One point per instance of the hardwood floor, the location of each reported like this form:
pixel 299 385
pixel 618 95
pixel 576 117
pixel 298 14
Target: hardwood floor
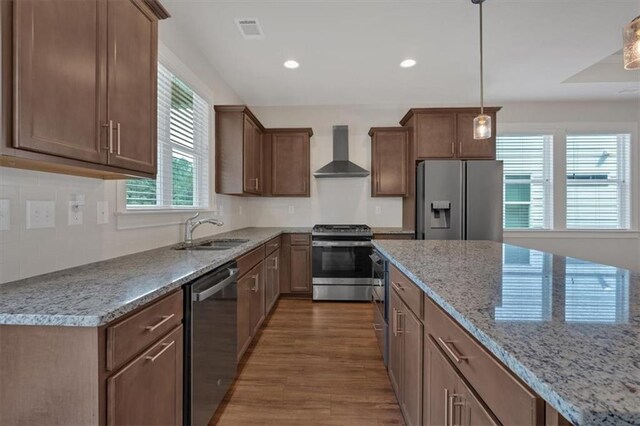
pixel 313 364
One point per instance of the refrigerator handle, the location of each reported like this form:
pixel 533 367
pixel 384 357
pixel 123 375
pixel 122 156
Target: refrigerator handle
pixel 463 202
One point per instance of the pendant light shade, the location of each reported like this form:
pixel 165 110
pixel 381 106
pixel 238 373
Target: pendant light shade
pixel 631 49
pixel 482 123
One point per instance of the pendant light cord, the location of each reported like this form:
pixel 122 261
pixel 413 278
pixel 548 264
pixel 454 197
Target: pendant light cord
pixel 481 65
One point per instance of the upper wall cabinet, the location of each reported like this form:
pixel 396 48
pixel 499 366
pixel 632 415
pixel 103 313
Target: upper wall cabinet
pixel 254 161
pixel 448 133
pixel 389 161
pixel 81 92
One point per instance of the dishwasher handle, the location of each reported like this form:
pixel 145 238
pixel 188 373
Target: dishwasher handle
pixel 205 294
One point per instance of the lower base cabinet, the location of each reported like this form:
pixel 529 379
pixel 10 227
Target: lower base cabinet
pixel 250 306
pixel 272 280
pixel 148 390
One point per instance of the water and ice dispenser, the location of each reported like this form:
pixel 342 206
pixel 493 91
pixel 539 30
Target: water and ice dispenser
pixel 440 214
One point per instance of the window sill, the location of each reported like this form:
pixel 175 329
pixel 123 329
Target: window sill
pixel 150 218
pixel 571 233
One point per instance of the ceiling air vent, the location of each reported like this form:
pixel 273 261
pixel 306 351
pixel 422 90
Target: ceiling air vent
pixel 250 29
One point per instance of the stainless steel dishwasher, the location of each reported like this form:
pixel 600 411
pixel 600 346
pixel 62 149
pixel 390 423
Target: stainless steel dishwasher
pixel 210 342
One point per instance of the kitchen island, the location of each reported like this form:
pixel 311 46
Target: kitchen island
pixel 566 328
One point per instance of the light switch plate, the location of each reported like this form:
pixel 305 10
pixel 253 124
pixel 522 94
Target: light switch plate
pixel 378 210
pixel 75 214
pixel 41 214
pixel 292 209
pixel 103 212
pixel 5 215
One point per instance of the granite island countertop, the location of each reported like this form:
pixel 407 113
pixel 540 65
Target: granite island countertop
pixel 570 329
pixel 97 293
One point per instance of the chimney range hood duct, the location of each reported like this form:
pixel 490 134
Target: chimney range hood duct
pixel 341 167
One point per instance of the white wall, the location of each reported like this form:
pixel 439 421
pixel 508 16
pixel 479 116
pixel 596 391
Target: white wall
pixel 348 200
pixel 28 252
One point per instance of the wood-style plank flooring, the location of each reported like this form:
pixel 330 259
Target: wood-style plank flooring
pixel 313 364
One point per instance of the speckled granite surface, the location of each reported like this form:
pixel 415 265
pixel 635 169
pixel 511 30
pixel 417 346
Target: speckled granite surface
pixel 570 329
pixel 97 293
pixel 393 230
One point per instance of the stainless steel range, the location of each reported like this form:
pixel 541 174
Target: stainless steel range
pixel 341 262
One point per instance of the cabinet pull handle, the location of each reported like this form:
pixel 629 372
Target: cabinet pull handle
pixel 164 319
pixel 453 147
pixel 397 286
pixel 257 184
pixel 376 327
pixel 109 146
pixel 275 263
pixel 118 132
pixel 254 288
pixel 164 349
pixel 456 357
pixel 399 316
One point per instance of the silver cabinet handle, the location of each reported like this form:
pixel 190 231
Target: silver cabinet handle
pixel 275 263
pixel 109 146
pixel 453 147
pixel 164 319
pixel 399 316
pixel 255 281
pixel 457 358
pixel 118 132
pixel 397 286
pixel 164 349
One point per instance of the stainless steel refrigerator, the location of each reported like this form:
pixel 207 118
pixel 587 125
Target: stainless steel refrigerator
pixel 459 200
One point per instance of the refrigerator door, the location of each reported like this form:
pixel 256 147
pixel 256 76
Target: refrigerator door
pixel 483 218
pixel 439 200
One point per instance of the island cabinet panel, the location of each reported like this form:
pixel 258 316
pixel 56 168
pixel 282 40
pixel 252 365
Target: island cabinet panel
pixel 287 165
pixel 272 277
pixel 405 358
pixel 148 390
pixel 389 161
pixel 508 399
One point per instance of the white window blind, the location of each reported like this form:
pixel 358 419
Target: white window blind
pixel 598 175
pixel 183 151
pixel 528 180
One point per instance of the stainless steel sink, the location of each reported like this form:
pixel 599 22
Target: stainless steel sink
pixel 213 245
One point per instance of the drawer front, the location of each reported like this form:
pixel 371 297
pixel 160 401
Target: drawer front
pixel 130 336
pixel 273 245
pixel 510 401
pixel 411 294
pixel 248 261
pixel 300 239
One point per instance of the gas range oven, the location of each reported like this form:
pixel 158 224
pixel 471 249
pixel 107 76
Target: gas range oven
pixel 341 268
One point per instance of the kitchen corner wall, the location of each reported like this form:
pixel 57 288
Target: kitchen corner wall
pixel 28 252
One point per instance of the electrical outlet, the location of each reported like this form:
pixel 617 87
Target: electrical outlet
pixel 41 214
pixel 103 212
pixel 240 210
pixel 75 214
pixel 378 210
pixel 292 210
pixel 5 215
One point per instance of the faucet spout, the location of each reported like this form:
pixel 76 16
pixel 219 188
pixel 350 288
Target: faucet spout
pixel 190 226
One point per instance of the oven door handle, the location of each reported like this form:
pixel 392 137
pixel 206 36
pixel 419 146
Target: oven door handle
pixel 342 244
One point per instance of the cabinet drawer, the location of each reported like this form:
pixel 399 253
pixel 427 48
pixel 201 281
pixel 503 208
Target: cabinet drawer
pixel 411 294
pixel 510 401
pixel 248 261
pixel 130 336
pixel 300 239
pixel 272 245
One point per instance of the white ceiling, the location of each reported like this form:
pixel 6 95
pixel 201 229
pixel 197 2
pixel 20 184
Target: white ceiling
pixel 349 51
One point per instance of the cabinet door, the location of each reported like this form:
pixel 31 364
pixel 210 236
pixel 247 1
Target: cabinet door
pixel 290 167
pixel 132 64
pixel 440 382
pixel 412 336
pixel 389 161
pixel 251 146
pixel 258 154
pixel 471 409
pixel 148 390
pixel 300 261
pixel 435 135
pixel 469 147
pixel 257 297
pixel 60 65
pixel 272 287
pixel 395 344
pixel 244 313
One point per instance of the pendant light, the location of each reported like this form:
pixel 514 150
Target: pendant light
pixel 482 123
pixel 631 47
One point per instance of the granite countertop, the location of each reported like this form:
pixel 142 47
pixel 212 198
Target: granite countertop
pixel 568 328
pixel 392 230
pixel 97 293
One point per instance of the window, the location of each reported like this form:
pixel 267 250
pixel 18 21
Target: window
pixel 528 171
pixel 598 195
pixel 183 151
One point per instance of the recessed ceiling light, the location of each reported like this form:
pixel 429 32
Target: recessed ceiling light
pixel 291 64
pixel 408 63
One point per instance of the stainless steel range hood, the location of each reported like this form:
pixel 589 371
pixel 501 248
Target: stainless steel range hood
pixel 340 167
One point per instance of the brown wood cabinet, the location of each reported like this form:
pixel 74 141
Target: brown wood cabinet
pixel 287 164
pixel 148 390
pixel 244 313
pixel 389 161
pixel 79 86
pixel 435 135
pixel 272 278
pixel 405 358
pixel 300 264
pixel 257 298
pixel 252 160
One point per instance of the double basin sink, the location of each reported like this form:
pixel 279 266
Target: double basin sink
pixel 212 245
